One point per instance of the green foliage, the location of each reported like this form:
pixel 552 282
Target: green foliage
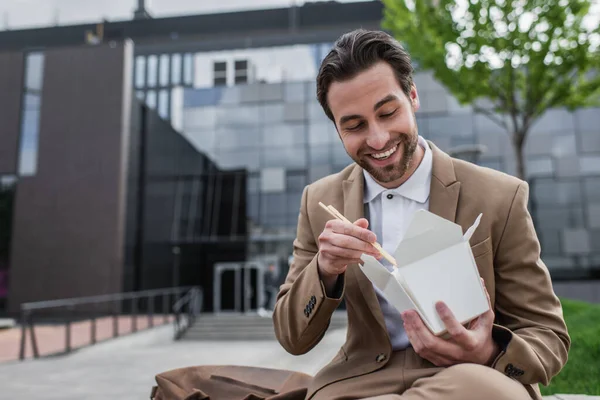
pixel 524 56
pixel 581 375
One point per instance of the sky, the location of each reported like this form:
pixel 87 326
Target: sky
pixel 31 13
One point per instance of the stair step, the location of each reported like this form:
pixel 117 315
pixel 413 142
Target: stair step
pixel 220 336
pixel 230 327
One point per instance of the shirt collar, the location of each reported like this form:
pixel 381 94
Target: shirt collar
pixel 415 188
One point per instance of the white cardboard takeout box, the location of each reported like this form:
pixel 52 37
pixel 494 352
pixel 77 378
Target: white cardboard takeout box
pixel 435 263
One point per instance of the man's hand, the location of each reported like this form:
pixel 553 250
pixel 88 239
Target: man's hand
pixel 472 345
pixel 341 244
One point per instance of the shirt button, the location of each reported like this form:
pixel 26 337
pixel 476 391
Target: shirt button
pixel 380 357
pixel 390 196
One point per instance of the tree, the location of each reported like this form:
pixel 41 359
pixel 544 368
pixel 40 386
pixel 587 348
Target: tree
pixel 511 60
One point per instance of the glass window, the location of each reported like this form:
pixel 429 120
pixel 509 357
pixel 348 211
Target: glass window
pixel 164 70
pixel 152 71
pixel 151 99
pixel 553 120
pixel 238 138
pixel 548 191
pixel 322 133
pixel 340 157
pixel 283 135
pixel 273 204
pixel 204 140
pixel 320 155
pixel 230 95
pixel 163 104
pixel 238 116
pixel 176 69
pixel 199 117
pixel 316 113
pixel 272 180
pixel 33 101
pixel 290 157
pixel 317 172
pixel 252 206
pixel 590 165
pixel 188 69
pixel 455 125
pixel 592 189
pixel 247 158
pixel 30 127
pixel 253 184
pixel 140 71
pixel 294 112
pixel 140 95
pixel 293 203
pixel 272 113
pixel 588 119
pixel 202 97
pixel 295 181
pixel 294 91
pixel 34 73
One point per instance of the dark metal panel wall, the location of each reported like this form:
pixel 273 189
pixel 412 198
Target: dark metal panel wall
pixel 69 218
pixel 11 82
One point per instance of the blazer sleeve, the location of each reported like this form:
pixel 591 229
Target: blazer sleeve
pixel 530 324
pixel 303 310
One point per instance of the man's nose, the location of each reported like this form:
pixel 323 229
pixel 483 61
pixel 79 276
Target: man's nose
pixel 378 138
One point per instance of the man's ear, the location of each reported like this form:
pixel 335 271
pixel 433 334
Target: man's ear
pixel 414 97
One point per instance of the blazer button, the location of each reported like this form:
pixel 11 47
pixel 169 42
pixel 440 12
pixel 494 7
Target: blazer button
pixel 380 357
pixel 313 299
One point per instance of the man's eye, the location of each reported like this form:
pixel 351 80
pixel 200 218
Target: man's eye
pixel 389 114
pixel 355 127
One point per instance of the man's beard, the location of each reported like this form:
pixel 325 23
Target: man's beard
pixel 407 143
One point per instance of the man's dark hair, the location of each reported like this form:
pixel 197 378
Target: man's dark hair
pixel 357 51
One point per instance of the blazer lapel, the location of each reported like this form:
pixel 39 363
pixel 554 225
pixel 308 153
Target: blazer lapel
pixel 354 209
pixel 353 194
pixel 445 189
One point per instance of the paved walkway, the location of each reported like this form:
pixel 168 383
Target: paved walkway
pixel 124 368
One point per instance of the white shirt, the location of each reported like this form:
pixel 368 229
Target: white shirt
pixel 398 205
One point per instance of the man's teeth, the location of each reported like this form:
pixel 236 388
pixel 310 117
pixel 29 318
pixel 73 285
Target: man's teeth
pixel 386 154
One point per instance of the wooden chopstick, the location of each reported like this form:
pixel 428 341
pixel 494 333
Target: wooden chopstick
pixel 336 214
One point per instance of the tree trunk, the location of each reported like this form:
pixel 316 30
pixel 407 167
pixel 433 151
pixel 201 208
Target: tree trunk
pixel 518 145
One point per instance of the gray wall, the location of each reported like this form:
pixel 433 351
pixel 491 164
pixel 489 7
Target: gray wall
pixel 70 217
pixel 11 82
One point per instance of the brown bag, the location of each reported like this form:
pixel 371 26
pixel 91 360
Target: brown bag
pixel 229 382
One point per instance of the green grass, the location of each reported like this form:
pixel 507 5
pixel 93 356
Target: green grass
pixel 581 375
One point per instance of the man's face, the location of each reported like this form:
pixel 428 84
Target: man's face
pixel 376 122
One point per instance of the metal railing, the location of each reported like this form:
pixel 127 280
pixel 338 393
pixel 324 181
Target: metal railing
pixel 65 311
pixel 186 310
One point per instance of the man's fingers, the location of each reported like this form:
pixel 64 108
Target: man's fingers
pixel 362 223
pixel 431 344
pixel 458 332
pixel 358 232
pixel 352 243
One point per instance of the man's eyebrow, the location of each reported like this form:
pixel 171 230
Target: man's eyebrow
pixel 347 118
pixel 386 99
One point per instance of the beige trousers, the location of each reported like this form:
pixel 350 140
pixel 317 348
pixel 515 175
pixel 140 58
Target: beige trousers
pixel 409 377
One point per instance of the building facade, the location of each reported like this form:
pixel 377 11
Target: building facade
pixel 99 194
pixel 280 134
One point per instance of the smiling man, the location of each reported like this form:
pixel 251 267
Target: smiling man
pixel 365 87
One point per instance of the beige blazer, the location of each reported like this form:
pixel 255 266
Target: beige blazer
pixel 506 249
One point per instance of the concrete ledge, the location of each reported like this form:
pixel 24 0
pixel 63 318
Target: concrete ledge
pixel 6 323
